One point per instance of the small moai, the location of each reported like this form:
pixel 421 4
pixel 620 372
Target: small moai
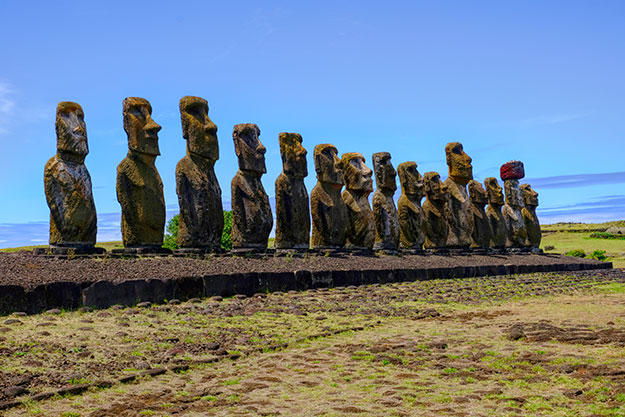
pixel 436 226
pixel 329 213
pixel 358 185
pixel 498 228
pixel 481 236
pixel 67 183
pixel 251 213
pixel 139 186
pixel 532 225
pixel 292 206
pixel 199 195
pixel 511 172
pixel 410 212
pixel 458 208
pixel 384 210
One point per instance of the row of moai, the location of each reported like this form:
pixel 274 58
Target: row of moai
pixel 450 218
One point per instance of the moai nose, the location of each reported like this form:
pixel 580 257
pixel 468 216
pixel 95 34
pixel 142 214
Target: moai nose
pixel 152 126
pixel 261 148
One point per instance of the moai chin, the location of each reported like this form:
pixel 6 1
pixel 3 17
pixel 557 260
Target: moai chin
pixel 436 226
pixel 511 173
pixel 292 206
pixel 481 236
pixel 329 213
pixel 532 225
pixel 67 183
pixel 251 213
pixel 458 206
pixel 411 216
pixel 199 194
pixel 358 185
pixel 384 210
pixel 498 228
pixel 139 186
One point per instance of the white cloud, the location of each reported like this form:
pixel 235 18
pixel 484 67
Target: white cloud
pixel 556 118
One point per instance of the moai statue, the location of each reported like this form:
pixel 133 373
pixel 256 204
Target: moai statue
pixel 73 221
pixel 498 228
pixel 329 214
pixel 532 225
pixel 384 210
pixel 511 172
pixel 358 186
pixel 411 216
pixel 481 236
pixel 199 194
pixel 139 186
pixel 292 206
pixel 251 213
pixel 436 226
pixel 458 207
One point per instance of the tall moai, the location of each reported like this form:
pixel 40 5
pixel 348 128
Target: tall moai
pixel 511 172
pixel 199 195
pixel 384 210
pixel 532 225
pixel 358 185
pixel 458 206
pixel 436 226
pixel 410 212
pixel 67 183
pixel 329 213
pixel 251 213
pixel 498 228
pixel 139 186
pixel 481 236
pixel 292 205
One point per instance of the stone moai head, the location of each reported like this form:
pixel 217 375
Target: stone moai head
pixel 249 150
pixel 411 180
pixel 513 193
pixel 198 129
pixel 356 175
pixel 530 197
pixel 384 172
pixel 328 166
pixel 477 193
pixel 434 188
pixel 459 163
pixel 142 131
pixel 293 155
pixel 71 131
pixel 493 191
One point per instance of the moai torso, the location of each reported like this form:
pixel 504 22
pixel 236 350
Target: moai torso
pixel 199 194
pixel 329 213
pixel 458 210
pixel 358 186
pixel 532 225
pixel 410 212
pixel 436 227
pixel 481 236
pixel 384 210
pixel 292 205
pixel 498 229
pixel 139 186
pixel 251 213
pixel 73 219
pixel 517 233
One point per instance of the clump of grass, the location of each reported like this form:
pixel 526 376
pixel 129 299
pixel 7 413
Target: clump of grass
pixel 578 253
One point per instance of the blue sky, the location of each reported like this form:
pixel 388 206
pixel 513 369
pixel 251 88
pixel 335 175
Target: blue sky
pixel 543 82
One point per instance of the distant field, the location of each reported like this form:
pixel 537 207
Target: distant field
pixel 581 227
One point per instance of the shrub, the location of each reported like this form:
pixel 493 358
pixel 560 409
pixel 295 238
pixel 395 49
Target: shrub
pixel 598 255
pixel 226 243
pixel 171 232
pixel 578 253
pixel 606 235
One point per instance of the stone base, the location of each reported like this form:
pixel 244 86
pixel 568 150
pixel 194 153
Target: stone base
pixel 437 251
pixel 197 251
pixel 480 251
pixel 412 251
pixel 519 251
pixel 69 251
pixel 142 251
pixel 251 251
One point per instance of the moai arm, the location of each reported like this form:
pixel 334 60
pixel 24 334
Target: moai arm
pixel 53 197
pixel 186 197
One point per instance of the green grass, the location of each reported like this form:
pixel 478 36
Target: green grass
pixel 565 241
pixel 106 245
pixel 570 227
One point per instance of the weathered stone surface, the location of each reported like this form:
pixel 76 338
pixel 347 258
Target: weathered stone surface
pixel 199 194
pixel 481 236
pixel 292 206
pixel 73 220
pixel 517 233
pixel 139 186
pixel 532 225
pixel 458 209
pixel 436 227
pixel 329 213
pixel 512 170
pixel 251 213
pixel 384 210
pixel 358 186
pixel 498 228
pixel 410 212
